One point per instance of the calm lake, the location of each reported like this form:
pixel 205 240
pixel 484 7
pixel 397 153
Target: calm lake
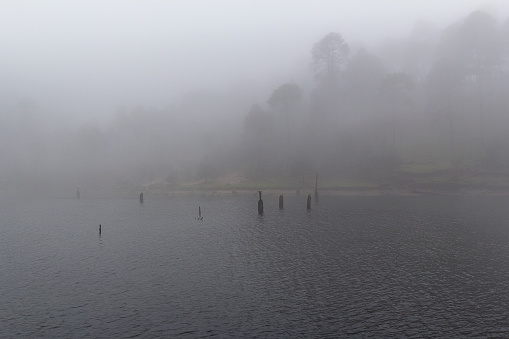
pixel 351 266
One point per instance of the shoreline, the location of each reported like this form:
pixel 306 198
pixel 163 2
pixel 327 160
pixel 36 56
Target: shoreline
pixel 347 192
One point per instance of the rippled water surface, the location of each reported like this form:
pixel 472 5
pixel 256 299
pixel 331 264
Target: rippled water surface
pixel 423 266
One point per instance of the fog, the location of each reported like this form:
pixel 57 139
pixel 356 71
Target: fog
pixel 132 95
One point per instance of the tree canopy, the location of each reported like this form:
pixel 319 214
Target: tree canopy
pixel 329 54
pixel 285 95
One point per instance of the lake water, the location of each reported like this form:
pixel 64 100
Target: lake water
pixel 352 266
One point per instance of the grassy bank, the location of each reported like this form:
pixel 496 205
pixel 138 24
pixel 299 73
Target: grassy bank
pixel 412 179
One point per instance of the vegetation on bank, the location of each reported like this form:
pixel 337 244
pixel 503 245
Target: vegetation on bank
pixel 408 179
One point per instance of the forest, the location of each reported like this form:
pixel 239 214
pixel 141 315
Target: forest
pixel 426 113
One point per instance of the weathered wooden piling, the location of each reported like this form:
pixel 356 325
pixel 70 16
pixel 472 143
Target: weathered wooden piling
pixel 77 193
pixel 260 203
pixel 281 202
pixel 309 202
pixel 199 213
pixel 141 198
pixel 317 198
pixel 99 229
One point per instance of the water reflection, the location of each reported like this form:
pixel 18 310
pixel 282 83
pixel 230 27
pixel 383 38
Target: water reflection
pixel 349 267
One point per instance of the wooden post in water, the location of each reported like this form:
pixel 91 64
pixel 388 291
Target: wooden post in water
pixel 317 198
pixel 281 202
pixel 260 203
pixel 99 229
pixel 141 198
pixel 77 193
pixel 309 202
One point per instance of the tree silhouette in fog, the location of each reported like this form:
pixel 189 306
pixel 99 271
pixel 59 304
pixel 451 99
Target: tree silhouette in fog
pixel 362 76
pixel 258 139
pixel 329 54
pixel 444 87
pixel 395 89
pixel 284 100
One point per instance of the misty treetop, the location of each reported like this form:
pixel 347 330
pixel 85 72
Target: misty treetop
pixel 285 96
pixel 329 54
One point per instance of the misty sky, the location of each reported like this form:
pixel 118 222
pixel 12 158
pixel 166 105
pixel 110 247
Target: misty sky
pixel 85 58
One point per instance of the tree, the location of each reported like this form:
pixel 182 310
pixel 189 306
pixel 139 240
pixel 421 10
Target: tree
pixel 419 52
pixel 258 135
pixel 479 43
pixel 328 55
pixel 505 38
pixel 443 85
pixel 395 88
pixel 257 124
pixel 285 95
pixel 504 66
pixel 362 78
pixel 480 49
pixel 284 100
pixel 364 69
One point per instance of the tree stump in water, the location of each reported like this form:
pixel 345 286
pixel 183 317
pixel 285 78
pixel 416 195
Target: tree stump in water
pixel 260 203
